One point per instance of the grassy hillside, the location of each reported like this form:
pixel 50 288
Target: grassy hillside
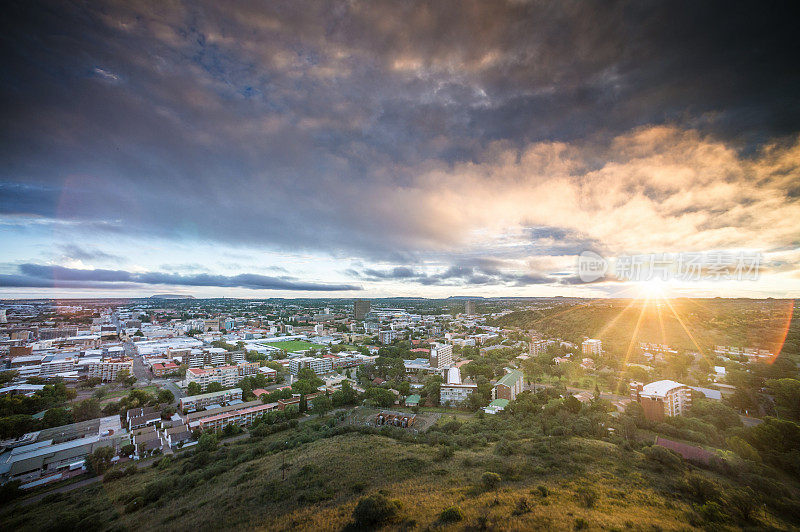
pixel 546 481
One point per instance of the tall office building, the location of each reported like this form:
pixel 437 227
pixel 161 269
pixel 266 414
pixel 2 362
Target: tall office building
pixel 469 308
pixel 360 308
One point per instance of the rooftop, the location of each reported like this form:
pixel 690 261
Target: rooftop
pixel 211 395
pixel 510 378
pixel 660 388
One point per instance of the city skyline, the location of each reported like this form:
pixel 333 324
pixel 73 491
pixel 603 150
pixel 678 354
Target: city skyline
pixel 354 150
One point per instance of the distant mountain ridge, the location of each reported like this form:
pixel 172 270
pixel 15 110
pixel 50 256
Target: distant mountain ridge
pixel 171 296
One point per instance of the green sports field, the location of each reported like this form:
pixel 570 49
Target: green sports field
pixel 294 345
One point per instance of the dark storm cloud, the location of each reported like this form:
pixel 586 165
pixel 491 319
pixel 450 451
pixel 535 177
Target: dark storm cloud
pixel 293 124
pixel 455 276
pixel 74 251
pixel 44 276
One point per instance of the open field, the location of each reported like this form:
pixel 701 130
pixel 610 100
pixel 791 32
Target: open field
pixel 294 345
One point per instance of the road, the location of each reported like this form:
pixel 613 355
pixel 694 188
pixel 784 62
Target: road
pixel 140 371
pixel 171 386
pixel 748 421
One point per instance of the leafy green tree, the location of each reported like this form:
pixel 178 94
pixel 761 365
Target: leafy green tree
pixel 16 425
pixel 346 395
pixel 321 404
pixel 127 450
pixel 165 396
pixel 307 374
pixel 380 396
pixel 430 390
pixel 100 460
pixel 743 449
pixel 194 389
pixel 125 377
pixel 214 387
pixel 404 387
pixel 56 417
pixel 786 393
pixel 10 491
pixel 86 409
pixel 718 414
pixel 303 404
pixel 8 376
pixel 571 404
pixel 207 442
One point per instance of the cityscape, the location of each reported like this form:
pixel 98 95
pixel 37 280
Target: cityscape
pixel 349 265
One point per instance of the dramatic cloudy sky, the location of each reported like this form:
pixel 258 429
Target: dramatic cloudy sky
pixel 374 148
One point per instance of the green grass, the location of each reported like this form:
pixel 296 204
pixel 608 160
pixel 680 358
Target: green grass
pixel 295 345
pixel 122 393
pixel 240 487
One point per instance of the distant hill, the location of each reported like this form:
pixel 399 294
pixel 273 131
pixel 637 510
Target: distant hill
pixel 171 296
pixel 681 323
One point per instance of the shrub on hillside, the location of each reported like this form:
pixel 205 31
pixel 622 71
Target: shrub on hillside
pixel 451 515
pixel 375 510
pixel 742 503
pixel 701 489
pixel 444 452
pixel 743 449
pixel 663 456
pixel 490 480
pixel 522 507
pixel 586 496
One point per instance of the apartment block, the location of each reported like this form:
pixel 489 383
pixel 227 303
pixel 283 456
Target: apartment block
pixel 320 366
pixel 664 398
pixel 52 367
pixel 227 376
pixel 591 347
pixel 455 394
pixel 242 414
pixel 441 356
pixel 198 402
pixel 108 370
pixel 388 336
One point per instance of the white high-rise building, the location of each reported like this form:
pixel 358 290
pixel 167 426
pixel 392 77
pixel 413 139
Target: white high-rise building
pixel 453 375
pixel 441 356
pixel 592 347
